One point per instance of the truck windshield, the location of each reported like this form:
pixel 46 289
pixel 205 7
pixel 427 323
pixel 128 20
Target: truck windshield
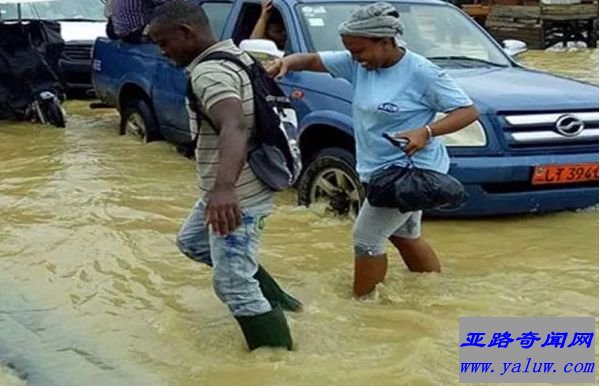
pixel 441 33
pixel 58 10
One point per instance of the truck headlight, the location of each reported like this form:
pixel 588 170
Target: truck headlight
pixel 472 135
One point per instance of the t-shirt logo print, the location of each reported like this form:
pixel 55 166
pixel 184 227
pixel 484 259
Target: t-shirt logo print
pixel 388 107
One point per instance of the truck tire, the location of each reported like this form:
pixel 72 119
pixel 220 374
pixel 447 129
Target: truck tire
pixel 331 177
pixel 137 119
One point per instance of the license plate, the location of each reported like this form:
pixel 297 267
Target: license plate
pixel 567 173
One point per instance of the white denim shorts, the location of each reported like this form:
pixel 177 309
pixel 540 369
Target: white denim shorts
pixel 374 225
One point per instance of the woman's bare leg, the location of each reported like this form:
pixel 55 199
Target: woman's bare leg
pixel 417 254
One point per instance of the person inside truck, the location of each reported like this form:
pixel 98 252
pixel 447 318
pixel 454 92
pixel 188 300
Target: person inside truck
pixel 223 229
pixel 127 19
pixel 395 92
pixel 110 28
pixel 270 25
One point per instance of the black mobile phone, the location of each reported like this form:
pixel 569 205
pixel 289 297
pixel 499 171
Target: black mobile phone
pixel 401 142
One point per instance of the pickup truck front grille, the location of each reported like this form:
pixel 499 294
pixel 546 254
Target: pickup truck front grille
pixel 551 129
pixel 78 52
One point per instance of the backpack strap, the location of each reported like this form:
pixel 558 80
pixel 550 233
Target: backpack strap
pixel 215 56
pixel 193 105
pixel 227 56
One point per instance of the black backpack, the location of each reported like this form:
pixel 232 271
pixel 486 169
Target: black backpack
pixel 273 152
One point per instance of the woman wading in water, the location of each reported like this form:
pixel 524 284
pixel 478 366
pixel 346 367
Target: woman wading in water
pixel 394 91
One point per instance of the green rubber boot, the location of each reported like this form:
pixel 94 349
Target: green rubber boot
pixel 274 293
pixel 268 329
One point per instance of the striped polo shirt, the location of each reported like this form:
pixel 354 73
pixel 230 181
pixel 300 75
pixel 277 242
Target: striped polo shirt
pixel 213 81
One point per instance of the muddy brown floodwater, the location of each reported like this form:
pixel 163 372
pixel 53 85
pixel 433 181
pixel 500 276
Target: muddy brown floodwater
pixel 94 291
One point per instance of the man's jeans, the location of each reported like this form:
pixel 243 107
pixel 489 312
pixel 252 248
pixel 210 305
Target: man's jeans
pixel 233 257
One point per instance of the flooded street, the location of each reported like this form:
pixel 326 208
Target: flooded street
pixel 94 291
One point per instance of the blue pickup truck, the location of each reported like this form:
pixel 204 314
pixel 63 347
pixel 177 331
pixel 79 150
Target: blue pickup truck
pixel 533 149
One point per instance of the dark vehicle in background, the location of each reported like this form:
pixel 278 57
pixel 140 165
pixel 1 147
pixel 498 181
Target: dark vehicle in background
pixel 81 22
pixel 31 85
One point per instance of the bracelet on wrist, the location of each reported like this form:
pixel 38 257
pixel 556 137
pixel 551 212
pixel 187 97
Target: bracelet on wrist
pixel 429 131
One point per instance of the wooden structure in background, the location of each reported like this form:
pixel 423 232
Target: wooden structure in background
pixel 543 25
pixel 478 11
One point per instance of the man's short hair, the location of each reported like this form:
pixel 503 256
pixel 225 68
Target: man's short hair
pixel 179 12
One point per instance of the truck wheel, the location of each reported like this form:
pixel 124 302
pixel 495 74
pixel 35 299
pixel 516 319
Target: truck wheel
pixel 331 177
pixel 137 119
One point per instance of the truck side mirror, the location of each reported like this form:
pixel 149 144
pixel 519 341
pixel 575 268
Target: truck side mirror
pixel 262 49
pixel 514 47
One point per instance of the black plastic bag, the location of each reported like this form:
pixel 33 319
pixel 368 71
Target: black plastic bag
pixel 411 189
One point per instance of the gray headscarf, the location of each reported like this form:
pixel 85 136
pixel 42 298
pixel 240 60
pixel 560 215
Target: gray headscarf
pixel 378 20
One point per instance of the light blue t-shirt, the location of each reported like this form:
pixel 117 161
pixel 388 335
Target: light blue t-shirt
pixel 399 98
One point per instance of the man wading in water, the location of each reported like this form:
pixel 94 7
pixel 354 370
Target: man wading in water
pixel 224 227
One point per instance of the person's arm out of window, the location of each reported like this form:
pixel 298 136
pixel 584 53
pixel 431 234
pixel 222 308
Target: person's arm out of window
pixel 260 28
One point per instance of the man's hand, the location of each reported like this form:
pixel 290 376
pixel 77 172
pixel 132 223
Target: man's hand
pixel 417 139
pixel 277 68
pixel 223 210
